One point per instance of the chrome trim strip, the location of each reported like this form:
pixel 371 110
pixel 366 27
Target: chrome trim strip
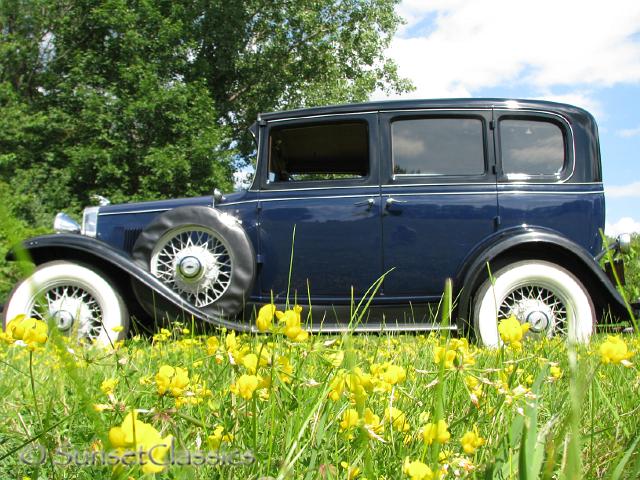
pixel 500 184
pixel 134 211
pixel 266 190
pixel 324 115
pixel 378 327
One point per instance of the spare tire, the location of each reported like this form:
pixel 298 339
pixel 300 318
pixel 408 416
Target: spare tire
pixel 203 255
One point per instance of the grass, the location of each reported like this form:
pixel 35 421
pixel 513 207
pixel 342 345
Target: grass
pixel 318 409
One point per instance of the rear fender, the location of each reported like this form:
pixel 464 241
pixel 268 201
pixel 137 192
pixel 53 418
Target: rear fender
pixel 531 243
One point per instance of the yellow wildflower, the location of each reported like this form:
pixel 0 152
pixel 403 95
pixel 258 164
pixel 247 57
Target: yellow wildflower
pixel 416 470
pixel 555 371
pixel 135 435
pixel 173 380
pixel 436 432
pixel 441 354
pixel 108 386
pixel 471 441
pixel 615 350
pixel 293 324
pixel 512 331
pixel 218 437
pixel 396 418
pixel 245 386
pixel 372 424
pixel 265 317
pixel 212 345
pixel 250 362
pixel 31 331
pixel 352 472
pixel 350 419
pixel 285 369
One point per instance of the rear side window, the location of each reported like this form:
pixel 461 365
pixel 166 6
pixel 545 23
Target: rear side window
pixel 531 148
pixel 329 151
pixel 438 146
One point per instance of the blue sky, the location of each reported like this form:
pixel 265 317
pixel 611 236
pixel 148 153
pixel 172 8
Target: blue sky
pixel 586 53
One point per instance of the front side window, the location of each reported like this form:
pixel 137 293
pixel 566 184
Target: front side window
pixel 438 146
pixel 531 148
pixel 329 151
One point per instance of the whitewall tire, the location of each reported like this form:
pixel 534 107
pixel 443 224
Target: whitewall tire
pixel 548 297
pixel 80 299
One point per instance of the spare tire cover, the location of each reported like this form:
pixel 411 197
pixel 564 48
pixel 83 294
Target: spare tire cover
pixel 234 238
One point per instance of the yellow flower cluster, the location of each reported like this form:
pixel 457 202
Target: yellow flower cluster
pixel 290 321
pixel 436 432
pixel 456 353
pixel 31 331
pixel 137 436
pixel 615 350
pixel 417 470
pixel 172 380
pixel 471 441
pixel 512 331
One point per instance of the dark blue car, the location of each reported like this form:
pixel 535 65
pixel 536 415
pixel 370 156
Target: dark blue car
pixel 504 197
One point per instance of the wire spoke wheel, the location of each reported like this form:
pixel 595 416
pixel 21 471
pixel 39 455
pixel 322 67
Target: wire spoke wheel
pixel 77 298
pixel 194 262
pixel 74 310
pixel 552 300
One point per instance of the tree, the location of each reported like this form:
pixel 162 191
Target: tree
pixel 151 98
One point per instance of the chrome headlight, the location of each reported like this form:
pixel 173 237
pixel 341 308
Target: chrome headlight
pixel 90 221
pixel 63 223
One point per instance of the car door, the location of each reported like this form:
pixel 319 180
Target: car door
pixel 439 196
pixel 319 176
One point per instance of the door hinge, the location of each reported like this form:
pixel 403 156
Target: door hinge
pixel 492 125
pixel 497 221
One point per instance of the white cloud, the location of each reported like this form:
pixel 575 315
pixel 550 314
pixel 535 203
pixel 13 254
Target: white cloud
pixel 546 45
pixel 629 132
pixel 624 225
pixel 631 190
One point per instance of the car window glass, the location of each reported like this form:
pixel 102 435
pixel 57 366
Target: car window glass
pixel 531 148
pixel 438 146
pixel 329 151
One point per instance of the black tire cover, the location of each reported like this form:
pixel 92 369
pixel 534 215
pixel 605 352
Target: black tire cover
pixel 243 265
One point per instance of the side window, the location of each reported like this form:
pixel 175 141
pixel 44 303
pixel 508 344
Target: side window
pixel 531 148
pixel 328 151
pixel 438 146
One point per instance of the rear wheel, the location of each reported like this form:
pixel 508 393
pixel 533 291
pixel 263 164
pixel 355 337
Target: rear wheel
pixel 548 297
pixel 80 299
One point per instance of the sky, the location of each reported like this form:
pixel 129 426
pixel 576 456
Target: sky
pixel 586 53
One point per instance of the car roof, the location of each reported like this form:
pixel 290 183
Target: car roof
pixel 463 103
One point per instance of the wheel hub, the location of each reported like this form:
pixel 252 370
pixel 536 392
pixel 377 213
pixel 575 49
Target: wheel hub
pixel 190 268
pixel 536 313
pixel 195 267
pixel 64 320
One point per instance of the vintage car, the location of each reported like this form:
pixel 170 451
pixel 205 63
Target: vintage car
pixel 504 197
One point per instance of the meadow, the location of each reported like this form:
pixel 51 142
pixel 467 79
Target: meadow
pixel 289 404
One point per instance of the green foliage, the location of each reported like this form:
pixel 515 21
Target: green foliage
pixel 146 100
pixel 632 270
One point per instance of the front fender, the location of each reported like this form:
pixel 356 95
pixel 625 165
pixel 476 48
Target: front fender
pixel 531 242
pixel 73 246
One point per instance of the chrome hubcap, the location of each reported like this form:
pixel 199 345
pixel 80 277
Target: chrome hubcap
pixel 190 268
pixel 541 308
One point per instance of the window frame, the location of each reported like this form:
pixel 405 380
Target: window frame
pixel 483 115
pixel 367 118
pixel 568 166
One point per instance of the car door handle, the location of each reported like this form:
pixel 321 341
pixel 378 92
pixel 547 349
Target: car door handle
pixel 392 201
pixel 369 202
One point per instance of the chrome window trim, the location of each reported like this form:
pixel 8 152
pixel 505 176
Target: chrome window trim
pixel 323 115
pixel 572 144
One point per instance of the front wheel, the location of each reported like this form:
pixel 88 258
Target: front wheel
pixel 81 301
pixel 546 296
